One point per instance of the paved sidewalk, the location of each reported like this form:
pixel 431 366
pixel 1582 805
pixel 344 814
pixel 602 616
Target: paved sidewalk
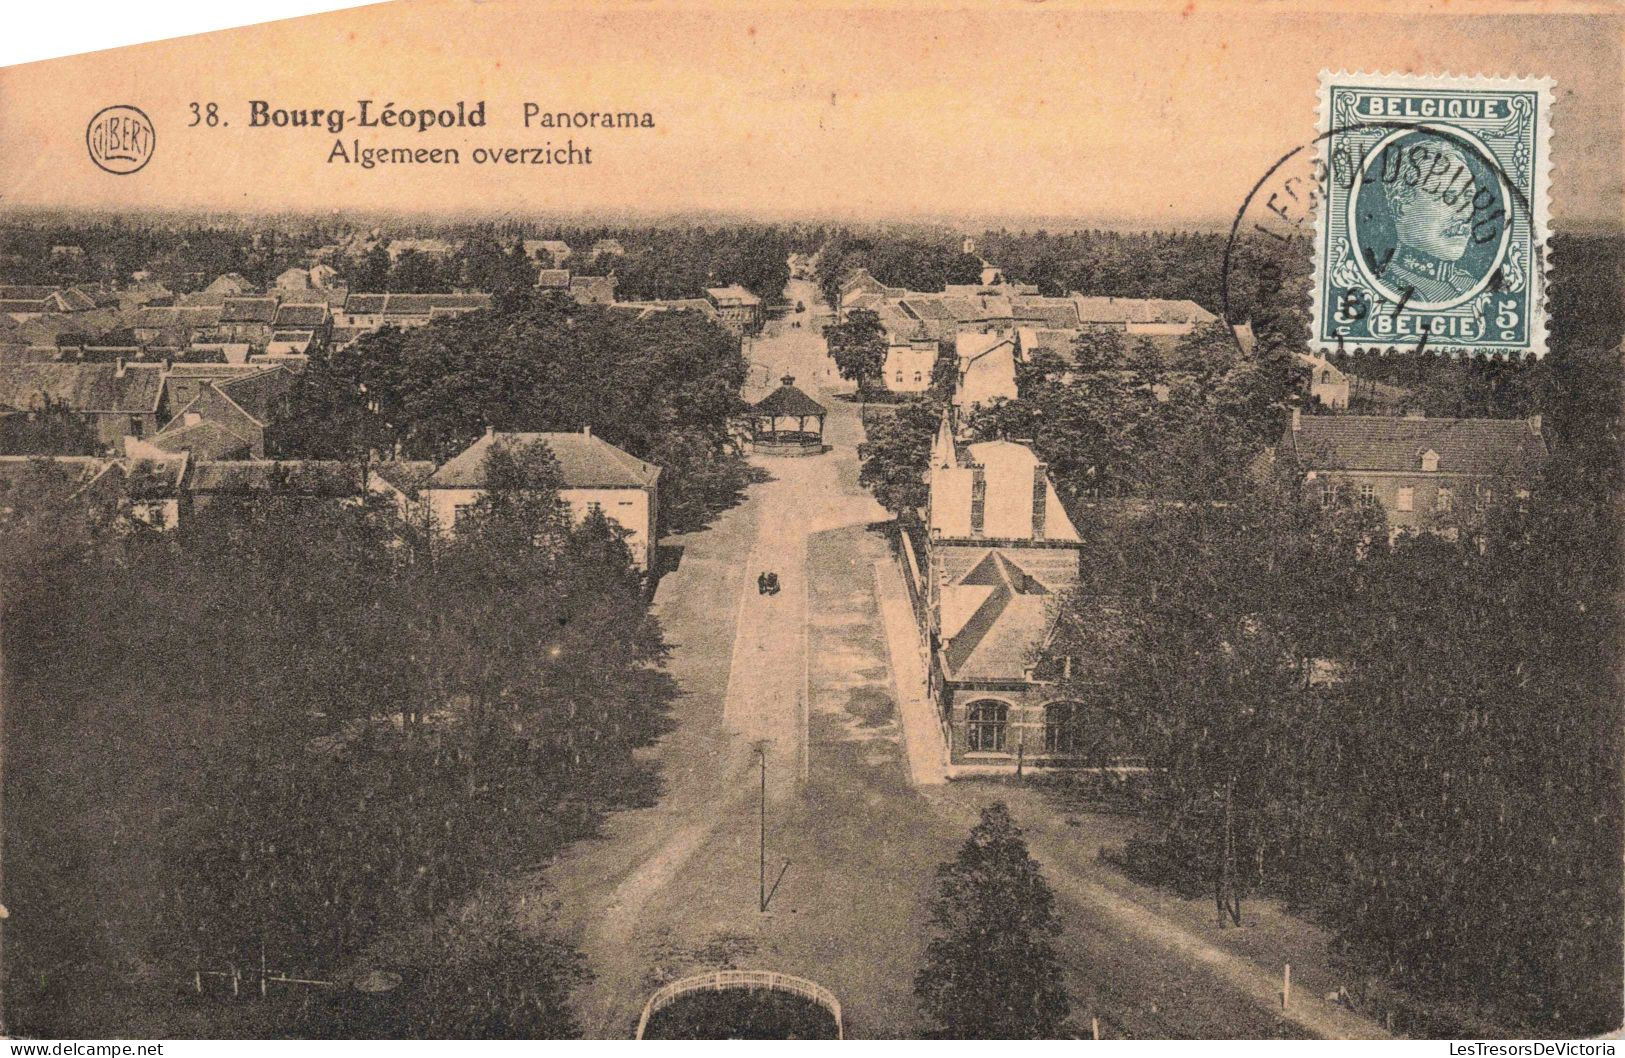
pixel 922 735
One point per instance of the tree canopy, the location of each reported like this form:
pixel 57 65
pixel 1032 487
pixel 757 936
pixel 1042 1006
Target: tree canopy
pixel 990 973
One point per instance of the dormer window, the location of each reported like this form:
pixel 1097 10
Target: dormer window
pixel 1430 461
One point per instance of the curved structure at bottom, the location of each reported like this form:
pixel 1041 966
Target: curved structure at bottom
pixel 756 1015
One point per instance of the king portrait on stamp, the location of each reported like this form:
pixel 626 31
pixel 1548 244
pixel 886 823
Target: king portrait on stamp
pixel 1434 224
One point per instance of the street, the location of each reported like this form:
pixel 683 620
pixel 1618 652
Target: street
pixel 807 676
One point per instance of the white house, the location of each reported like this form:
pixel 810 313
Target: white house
pixel 909 363
pixel 596 475
pixel 1327 384
pixel 987 369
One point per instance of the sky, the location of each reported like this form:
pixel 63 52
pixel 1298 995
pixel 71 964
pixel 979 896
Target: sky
pixel 1155 115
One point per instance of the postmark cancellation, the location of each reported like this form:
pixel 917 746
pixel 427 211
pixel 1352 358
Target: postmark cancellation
pixel 1433 230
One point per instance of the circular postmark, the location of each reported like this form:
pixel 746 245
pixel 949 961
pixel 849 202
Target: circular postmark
pixel 1429 214
pixel 120 139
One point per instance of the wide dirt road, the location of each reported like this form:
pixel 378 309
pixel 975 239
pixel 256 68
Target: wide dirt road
pixel 741 659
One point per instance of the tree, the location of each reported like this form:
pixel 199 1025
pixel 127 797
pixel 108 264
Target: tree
pixel 990 974
pixel 858 347
pixel 895 454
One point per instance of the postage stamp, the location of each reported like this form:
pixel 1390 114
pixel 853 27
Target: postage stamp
pixel 1433 231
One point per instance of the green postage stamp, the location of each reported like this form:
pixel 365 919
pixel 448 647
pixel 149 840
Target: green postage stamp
pixel 1433 231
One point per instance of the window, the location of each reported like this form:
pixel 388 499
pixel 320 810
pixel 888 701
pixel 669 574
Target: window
pixel 1430 461
pixel 1368 495
pixel 1063 728
pixel 985 724
pixel 919 376
pixel 462 513
pixel 1445 500
pixel 899 376
pixel 135 426
pixel 1325 378
pixel 1406 500
pixel 1483 500
pixel 1328 495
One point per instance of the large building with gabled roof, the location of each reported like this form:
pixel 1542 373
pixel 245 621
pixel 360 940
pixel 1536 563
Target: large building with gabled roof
pixel 1001 553
pixel 596 476
pixel 1420 472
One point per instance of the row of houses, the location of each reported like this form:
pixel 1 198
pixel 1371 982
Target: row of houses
pixel 988 329
pixel 732 307
pixel 161 487
pixel 22 303
pixel 212 411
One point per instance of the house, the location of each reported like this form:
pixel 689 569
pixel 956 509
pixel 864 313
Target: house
pixel 1000 554
pixel 297 327
pixel 119 399
pixel 247 320
pixel 1417 470
pixel 427 247
pixel 1140 315
pixel 212 481
pixel 594 290
pixel 221 410
pixel 909 365
pixel 553 279
pixel 369 312
pixel 596 476
pixel 229 285
pixel 987 369
pixel 739 309
pixel 179 325
pixel 292 281
pixel 1327 384
pixel 323 276
pixel 22 303
pixel 607 247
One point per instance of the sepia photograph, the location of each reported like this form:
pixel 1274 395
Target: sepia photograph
pixel 920 520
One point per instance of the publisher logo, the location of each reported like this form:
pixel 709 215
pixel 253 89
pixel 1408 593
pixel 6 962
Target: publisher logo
pixel 120 140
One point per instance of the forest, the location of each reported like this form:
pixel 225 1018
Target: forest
pixel 296 735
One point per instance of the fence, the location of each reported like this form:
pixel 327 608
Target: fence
pixel 718 980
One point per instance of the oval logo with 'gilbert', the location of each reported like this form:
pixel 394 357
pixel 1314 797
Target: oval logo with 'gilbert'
pixel 120 140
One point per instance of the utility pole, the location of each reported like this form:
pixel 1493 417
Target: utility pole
pixel 761 859
pixel 764 895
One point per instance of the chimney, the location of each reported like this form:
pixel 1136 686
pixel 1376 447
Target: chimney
pixel 1297 419
pixel 1534 424
pixel 978 501
pixel 1040 499
pixel 586 431
pixel 118 369
pixel 490 431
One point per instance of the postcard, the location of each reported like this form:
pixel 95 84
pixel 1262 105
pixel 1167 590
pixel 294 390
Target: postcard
pixel 694 519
